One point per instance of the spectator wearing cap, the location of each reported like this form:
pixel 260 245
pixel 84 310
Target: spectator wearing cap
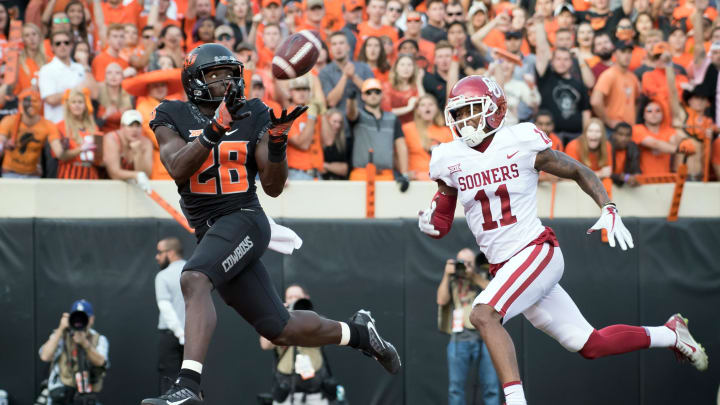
pixel 305 150
pixel 614 98
pixel 314 14
pixel 562 94
pixel 374 25
pixel 476 16
pixel 239 17
pixel 454 12
pixel 224 36
pixel 414 28
pixel 75 334
pixel 257 90
pixel 625 156
pixel 353 15
pixel 342 76
pixel 706 68
pixel 60 74
pixel 434 30
pixel 565 16
pixel 116 42
pixel 402 91
pixel 74 143
pixel 603 48
pixel 127 154
pixel 664 84
pixel 373 128
pixel 602 18
pixel 446 72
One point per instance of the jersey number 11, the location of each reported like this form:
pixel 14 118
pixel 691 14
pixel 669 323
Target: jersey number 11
pixel 507 217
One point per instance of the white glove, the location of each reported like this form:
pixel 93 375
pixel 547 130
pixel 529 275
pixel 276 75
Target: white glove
pixel 143 182
pixel 424 218
pixel 180 335
pixel 610 221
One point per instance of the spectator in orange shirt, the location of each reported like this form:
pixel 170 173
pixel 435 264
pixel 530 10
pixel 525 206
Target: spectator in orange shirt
pixel 602 48
pixel 112 99
pixel 395 9
pixel 271 40
pixel 117 12
pixel 412 31
pixel 698 127
pixel 592 149
pixel 657 142
pixel 314 14
pixel 203 33
pixel 158 17
pixel 372 52
pixel 617 90
pixel 434 30
pixel 336 146
pixel 422 134
pixel 141 48
pixel 116 42
pixel 493 34
pixel 73 144
pixel 31 58
pixel 196 11
pixel 625 156
pixel 374 25
pixel 401 93
pixel 271 13
pixel 677 40
pixel 23 136
pixel 353 15
pixel 652 38
pixel 664 84
pixel 304 149
pixel 625 33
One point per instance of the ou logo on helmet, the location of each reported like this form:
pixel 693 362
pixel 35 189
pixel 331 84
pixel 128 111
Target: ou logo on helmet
pixel 493 87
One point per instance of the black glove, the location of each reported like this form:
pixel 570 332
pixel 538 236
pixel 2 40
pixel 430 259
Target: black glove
pixel 225 114
pixel 403 182
pixel 278 132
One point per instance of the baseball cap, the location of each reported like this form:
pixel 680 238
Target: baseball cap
pixel 478 6
pixel 129 117
pixel 314 3
pixel 301 82
pixel 563 7
pixel 514 34
pixel 659 48
pixel 84 305
pixel 266 3
pixel 223 29
pixel 351 5
pixel 370 84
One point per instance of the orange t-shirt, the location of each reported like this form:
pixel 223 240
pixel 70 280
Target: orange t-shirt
pixel 556 142
pixel 312 158
pixel 101 62
pixel 620 156
pixel 275 107
pixel 122 14
pixel 637 57
pixel 573 150
pixel 652 162
pixel 382 76
pixel 146 106
pixel 365 31
pixel 418 157
pixel 306 25
pixel 265 57
pixel 393 98
pixel 333 20
pixel 581 5
pixel 25 79
pixel 28 144
pixel 168 21
pixel 654 85
pixel 427 49
pixel 698 124
pixel 75 168
pixel 620 89
pixel 684 60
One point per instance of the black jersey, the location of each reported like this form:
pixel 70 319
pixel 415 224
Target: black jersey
pixel 226 180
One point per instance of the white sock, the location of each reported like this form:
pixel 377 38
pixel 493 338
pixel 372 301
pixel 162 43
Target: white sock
pixel 192 365
pixel 514 394
pixel 345 334
pixel 661 336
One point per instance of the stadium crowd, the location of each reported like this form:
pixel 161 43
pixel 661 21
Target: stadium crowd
pixel 628 87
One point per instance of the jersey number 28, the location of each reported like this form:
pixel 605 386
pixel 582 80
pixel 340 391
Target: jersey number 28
pixel 231 172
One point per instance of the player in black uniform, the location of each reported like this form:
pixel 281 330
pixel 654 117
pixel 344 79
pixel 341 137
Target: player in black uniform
pixel 213 146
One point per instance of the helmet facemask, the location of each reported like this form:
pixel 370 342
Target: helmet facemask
pixel 202 91
pixel 480 108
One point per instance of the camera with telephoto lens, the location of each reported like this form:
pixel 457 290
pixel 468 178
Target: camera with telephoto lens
pixel 460 270
pixel 78 321
pixel 302 304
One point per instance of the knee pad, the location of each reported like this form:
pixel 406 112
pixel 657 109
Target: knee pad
pixel 270 328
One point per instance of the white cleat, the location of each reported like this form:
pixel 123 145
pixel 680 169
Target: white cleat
pixel 686 348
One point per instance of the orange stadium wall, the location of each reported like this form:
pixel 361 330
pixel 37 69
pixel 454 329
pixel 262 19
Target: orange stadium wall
pixel 384 265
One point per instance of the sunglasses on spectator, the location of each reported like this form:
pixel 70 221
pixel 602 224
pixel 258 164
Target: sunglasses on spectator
pixel 63 20
pixel 302 89
pixel 373 91
pixel 394 10
pixel 223 37
pixel 316 7
pixel 458 14
pixel 414 19
pixel 58 43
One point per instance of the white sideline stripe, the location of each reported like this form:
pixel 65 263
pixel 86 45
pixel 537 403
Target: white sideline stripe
pixel 282 64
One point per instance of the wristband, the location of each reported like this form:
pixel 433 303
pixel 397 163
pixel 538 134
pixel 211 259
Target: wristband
pixel 276 151
pixel 213 132
pixel 204 141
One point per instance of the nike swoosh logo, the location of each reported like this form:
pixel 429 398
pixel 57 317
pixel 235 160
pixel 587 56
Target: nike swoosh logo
pixel 230 132
pixel 178 402
pixel 688 345
pixel 510 156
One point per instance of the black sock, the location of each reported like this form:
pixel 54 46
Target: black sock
pixel 358 336
pixel 193 377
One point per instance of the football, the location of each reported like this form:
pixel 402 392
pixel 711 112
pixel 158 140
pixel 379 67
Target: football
pixel 296 55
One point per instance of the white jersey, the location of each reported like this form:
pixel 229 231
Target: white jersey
pixel 497 188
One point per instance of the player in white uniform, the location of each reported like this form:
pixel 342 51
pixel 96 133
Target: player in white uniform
pixel 493 171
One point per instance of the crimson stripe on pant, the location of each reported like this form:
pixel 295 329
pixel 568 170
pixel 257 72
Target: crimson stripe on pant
pixel 515 276
pixel 529 280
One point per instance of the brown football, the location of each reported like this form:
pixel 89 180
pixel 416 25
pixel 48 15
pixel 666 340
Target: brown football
pixel 296 55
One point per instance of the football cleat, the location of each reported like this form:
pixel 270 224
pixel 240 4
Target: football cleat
pixel 176 395
pixel 379 349
pixel 686 348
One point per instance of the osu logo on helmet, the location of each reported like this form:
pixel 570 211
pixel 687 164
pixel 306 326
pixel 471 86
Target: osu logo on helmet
pixel 190 60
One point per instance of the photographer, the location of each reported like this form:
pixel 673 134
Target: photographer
pixel 302 375
pixel 462 281
pixel 79 358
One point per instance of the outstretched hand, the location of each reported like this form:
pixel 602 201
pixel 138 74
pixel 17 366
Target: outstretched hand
pixel 280 126
pixel 229 109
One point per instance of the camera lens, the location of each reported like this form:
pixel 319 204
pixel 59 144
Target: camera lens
pixel 303 304
pixel 78 320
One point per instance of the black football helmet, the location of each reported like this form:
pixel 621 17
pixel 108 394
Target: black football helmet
pixel 198 61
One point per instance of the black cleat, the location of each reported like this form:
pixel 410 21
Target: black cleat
pixel 176 395
pixel 381 350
